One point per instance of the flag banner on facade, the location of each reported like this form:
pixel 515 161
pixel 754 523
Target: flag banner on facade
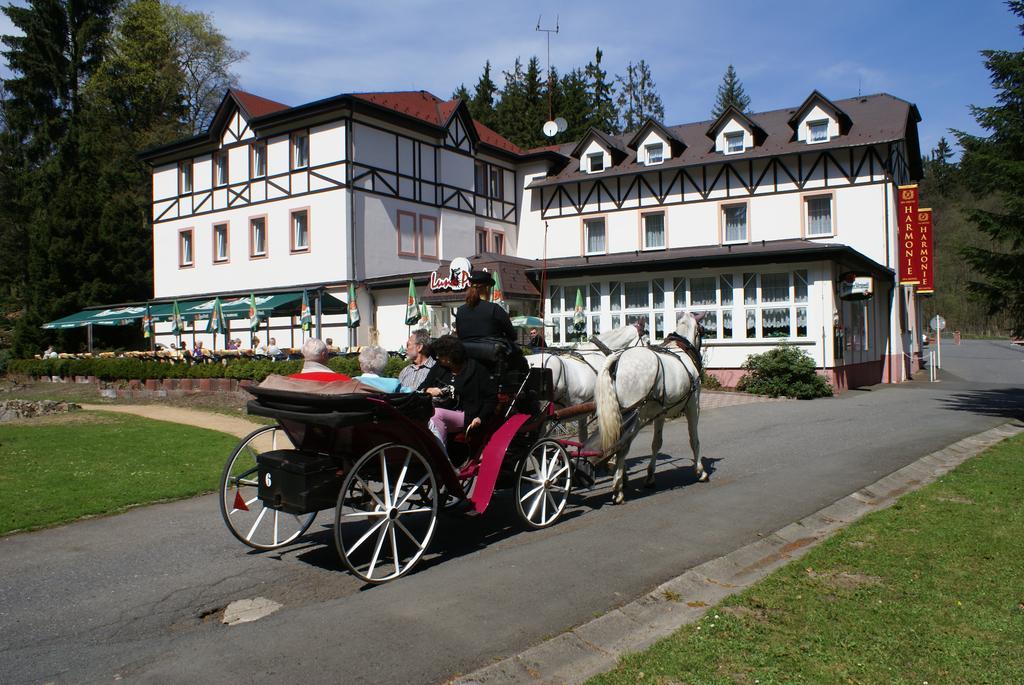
pixel 906 213
pixel 424 313
pixel 254 315
pixel 147 324
pixel 497 295
pixel 216 323
pixel 176 323
pixel 412 312
pixel 579 317
pixel 305 318
pixel 353 308
pixel 923 252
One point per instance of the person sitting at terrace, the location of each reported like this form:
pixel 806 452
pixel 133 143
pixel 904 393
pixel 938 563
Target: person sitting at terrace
pixel 331 347
pixel 274 351
pixel 232 345
pixel 198 352
pixel 372 360
pixel 314 365
pixel 50 353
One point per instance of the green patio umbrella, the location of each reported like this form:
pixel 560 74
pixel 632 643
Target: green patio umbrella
pixel 254 315
pixel 216 323
pixel 176 323
pixel 579 317
pixel 412 312
pixel 497 296
pixel 353 308
pixel 147 324
pixel 529 322
pixel 305 318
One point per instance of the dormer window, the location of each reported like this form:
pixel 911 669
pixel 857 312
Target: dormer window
pixel 655 153
pixel 595 162
pixel 817 131
pixel 734 142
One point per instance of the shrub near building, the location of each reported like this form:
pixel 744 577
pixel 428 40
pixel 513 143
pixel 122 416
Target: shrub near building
pixel 783 371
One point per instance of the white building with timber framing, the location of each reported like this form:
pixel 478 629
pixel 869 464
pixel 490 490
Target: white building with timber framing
pixel 758 220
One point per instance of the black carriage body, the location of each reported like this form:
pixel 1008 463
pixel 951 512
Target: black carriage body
pixel 329 433
pixel 297 482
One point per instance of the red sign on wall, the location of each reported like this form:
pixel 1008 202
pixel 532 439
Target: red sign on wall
pixel 906 226
pixel 923 252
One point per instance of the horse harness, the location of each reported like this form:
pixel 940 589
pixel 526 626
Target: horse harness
pixel 660 352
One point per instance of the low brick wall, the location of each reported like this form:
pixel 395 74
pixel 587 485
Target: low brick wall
pixel 155 388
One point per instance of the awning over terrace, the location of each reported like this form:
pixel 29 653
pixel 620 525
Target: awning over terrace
pixel 234 307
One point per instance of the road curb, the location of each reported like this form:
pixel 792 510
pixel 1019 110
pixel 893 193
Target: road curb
pixel 595 646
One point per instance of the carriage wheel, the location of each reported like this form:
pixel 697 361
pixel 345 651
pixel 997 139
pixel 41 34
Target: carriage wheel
pixel 248 519
pixel 543 483
pixel 386 513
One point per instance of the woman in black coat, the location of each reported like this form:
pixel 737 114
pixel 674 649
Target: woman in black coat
pixel 474 391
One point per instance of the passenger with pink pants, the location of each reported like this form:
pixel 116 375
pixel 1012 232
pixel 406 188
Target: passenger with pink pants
pixel 474 391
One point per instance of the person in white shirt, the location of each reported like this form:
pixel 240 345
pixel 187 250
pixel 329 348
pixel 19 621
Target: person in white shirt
pixel 273 350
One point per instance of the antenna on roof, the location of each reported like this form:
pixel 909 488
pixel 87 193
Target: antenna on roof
pixel 551 127
pixel 859 78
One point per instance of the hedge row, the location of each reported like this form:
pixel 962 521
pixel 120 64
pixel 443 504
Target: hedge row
pixel 138 369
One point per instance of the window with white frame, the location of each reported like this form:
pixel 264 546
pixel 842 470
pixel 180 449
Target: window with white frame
pixel 186 255
pixel 300 150
pixel 497 183
pixel 220 243
pixel 615 302
pixel 734 142
pixel 185 177
pixel 555 295
pixel 300 231
pixel 595 308
pixel 819 215
pixel 259 159
pixel 595 162
pixel 220 168
pixel 775 304
pixel 480 177
pixel 655 153
pixel 481 241
pixel 817 131
pixel 258 237
pixel 594 236
pixel 654 230
pixel 734 221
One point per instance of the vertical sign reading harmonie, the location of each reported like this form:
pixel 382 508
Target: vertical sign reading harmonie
pixel 906 213
pixel 923 253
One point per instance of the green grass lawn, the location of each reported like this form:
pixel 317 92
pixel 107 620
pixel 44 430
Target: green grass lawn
pixel 929 591
pixel 57 469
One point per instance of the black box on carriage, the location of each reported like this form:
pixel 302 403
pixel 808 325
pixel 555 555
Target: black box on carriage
pixel 298 482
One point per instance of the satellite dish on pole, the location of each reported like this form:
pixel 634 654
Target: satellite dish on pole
pixel 550 129
pixel 562 124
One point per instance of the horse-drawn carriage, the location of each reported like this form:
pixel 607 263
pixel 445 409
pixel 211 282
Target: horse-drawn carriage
pixel 373 460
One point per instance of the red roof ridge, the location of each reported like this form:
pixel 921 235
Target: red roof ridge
pixel 255 105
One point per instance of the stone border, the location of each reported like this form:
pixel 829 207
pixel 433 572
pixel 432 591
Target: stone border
pixel 595 646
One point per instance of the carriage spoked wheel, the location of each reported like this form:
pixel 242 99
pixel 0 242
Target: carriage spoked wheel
pixel 386 513
pixel 543 483
pixel 248 519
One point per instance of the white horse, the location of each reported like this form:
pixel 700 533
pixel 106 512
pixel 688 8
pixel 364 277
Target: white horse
pixel 656 383
pixel 574 371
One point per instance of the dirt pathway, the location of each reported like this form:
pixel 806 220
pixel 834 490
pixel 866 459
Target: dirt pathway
pixel 232 425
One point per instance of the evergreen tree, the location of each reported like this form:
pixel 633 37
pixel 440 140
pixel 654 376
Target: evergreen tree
pixel 522 109
pixel 604 116
pixel 994 166
pixel 61 46
pixel 573 105
pixel 463 94
pixel 730 93
pixel 637 97
pixel 481 106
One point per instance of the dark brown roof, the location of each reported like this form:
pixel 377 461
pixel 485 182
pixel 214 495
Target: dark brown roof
pixel 874 119
pixel 254 105
pixel 762 252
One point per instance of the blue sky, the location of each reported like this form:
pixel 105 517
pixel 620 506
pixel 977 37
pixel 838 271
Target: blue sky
pixel 924 52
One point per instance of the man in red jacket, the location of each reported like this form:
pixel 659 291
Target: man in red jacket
pixel 315 368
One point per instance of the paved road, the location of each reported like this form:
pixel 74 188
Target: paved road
pixel 134 596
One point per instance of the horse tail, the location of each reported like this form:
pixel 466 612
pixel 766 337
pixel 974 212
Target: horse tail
pixel 609 416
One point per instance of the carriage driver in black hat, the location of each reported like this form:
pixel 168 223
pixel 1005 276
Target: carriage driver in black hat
pixel 480 318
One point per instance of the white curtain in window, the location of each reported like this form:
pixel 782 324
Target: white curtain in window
pixel 725 285
pixel 775 322
pixel 595 297
pixel 801 322
pixel 736 223
pixel 555 293
pixel 749 288
pixel 775 287
pixel 637 295
pixel 654 230
pixel 595 236
pixel 800 285
pixel 702 291
pixel 727 323
pixel 615 297
pixel 819 216
pixel 658 293
pixel 751 315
